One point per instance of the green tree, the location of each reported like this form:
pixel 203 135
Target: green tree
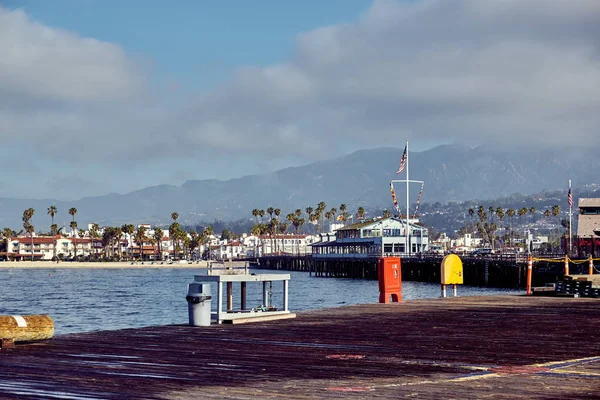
pixel 511 214
pixel 129 230
pixel 277 225
pixel 320 210
pixel 158 236
pixel 94 235
pixel 52 212
pixel 7 234
pixel 29 228
pixel 360 214
pixel 227 234
pixel 386 213
pixel 140 237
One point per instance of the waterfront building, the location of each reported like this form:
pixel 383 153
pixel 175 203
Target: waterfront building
pixel 588 226
pixel 43 247
pixel 378 238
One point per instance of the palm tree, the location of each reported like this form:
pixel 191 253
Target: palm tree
pixel 471 213
pixel 7 235
pixel 343 211
pixel 27 215
pixel 500 215
pixel 194 243
pixel 255 214
pixel 329 216
pixel 140 235
pixel 158 236
pixel 73 225
pixel 30 229
pixel 72 212
pixel 129 230
pixel 270 211
pixel 360 214
pixel 320 210
pixel 277 230
pixel 511 213
pixel 309 210
pixel 206 234
pixel 52 212
pixel 174 216
pixel 174 235
pixel 386 213
pixel 94 234
pixel 532 213
pixel 261 214
pixel 522 213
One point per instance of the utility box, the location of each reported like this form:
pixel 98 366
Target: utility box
pixel 451 270
pixel 199 303
pixel 389 273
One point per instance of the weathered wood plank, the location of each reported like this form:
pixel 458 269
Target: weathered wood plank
pixel 506 347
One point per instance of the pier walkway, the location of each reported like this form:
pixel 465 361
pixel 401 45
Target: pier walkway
pixel 501 347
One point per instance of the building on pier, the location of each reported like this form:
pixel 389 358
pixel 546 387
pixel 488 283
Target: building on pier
pixel 377 238
pixel 588 226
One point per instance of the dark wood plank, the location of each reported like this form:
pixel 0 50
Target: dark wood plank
pixel 505 347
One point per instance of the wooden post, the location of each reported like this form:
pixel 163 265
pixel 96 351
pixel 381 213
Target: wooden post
pixel 229 296
pixel 219 302
pixel 454 291
pixel 566 265
pixel 243 295
pixel 265 294
pixel 591 266
pixel 443 290
pixel 285 295
pixel 529 273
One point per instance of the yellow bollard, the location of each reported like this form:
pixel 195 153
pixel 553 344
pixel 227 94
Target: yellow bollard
pixel 591 266
pixel 566 265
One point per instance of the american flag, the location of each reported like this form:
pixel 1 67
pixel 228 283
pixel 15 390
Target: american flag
pixel 402 160
pixel 570 196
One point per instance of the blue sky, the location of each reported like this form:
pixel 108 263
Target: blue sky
pixel 100 96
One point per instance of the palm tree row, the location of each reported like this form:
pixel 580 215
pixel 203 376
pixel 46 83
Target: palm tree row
pixel 487 228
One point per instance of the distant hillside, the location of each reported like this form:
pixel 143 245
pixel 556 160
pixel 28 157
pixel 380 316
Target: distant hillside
pixel 451 173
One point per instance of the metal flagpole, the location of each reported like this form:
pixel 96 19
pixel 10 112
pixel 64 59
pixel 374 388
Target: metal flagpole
pixel 404 165
pixel 408 249
pixel 570 218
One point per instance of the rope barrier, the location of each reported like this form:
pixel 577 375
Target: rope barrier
pixel 562 260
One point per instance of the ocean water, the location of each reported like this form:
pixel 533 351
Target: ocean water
pixel 83 300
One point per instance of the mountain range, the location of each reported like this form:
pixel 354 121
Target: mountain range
pixel 451 173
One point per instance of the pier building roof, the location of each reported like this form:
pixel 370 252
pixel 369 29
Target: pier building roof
pixel 589 202
pixel 588 221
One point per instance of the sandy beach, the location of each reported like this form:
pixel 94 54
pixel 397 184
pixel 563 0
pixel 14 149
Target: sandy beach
pixel 122 264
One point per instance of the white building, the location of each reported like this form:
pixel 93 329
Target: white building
pixel 382 237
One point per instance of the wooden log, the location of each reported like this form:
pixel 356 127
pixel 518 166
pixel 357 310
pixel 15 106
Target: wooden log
pixel 17 328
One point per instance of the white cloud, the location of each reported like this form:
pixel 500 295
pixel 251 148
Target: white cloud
pixel 525 71
pixel 48 64
pixel 463 70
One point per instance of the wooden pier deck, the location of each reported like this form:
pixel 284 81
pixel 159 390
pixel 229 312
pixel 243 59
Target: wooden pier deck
pixel 505 347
